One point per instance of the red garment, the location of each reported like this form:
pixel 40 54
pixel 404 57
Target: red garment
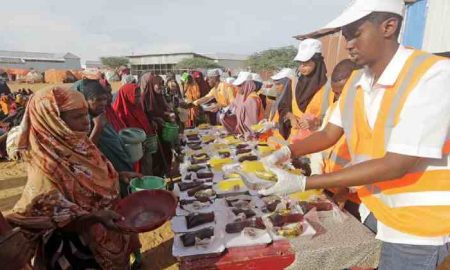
pixel 112 117
pixel 128 111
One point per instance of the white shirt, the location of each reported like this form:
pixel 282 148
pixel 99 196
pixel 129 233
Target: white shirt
pixel 423 127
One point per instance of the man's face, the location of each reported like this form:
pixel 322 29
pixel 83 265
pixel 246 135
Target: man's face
pixel 364 41
pixel 337 87
pixel 213 81
pixel 97 105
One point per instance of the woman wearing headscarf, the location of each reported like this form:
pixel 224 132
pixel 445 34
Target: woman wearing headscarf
pixel 153 101
pixel 129 111
pixel 312 77
pixel 71 188
pixel 247 106
pixel 191 93
pixel 158 112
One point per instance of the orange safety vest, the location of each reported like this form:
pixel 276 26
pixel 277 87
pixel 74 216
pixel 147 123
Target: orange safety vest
pixel 337 157
pixel 321 101
pixel 224 93
pixel 296 133
pixel 419 202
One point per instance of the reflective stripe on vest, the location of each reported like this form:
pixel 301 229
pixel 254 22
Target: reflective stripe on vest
pixel 295 109
pixel 325 100
pixel 419 202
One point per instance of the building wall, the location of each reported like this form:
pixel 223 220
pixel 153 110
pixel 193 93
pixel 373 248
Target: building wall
pixel 437 34
pixel 234 65
pixel 158 59
pixel 333 50
pixel 41 66
pixel 414 26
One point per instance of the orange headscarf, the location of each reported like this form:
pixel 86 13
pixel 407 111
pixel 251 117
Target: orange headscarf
pixel 67 158
pixel 67 174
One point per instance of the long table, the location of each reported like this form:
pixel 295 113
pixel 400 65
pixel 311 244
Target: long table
pixel 345 244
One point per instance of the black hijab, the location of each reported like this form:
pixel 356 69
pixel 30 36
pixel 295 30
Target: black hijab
pixel 308 86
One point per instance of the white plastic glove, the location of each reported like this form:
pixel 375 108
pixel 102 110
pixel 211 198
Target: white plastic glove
pixel 287 183
pixel 279 156
pixel 267 125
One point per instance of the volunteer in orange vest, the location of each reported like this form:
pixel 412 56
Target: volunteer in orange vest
pixel 312 77
pixel 337 157
pixel 395 114
pixel 282 81
pixel 221 93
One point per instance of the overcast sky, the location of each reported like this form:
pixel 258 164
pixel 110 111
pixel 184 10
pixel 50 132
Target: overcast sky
pixel 95 28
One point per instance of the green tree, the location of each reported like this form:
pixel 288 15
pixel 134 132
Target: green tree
pixel 197 63
pixel 114 62
pixel 273 59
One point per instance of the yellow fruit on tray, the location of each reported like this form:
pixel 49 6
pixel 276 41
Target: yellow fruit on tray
pixel 204 126
pixel 265 150
pixel 232 140
pixel 270 176
pixel 252 166
pixel 231 184
pixel 306 195
pixel 217 163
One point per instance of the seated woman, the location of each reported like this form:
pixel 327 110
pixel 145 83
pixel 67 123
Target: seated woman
pixel 71 188
pixel 128 109
pixel 247 106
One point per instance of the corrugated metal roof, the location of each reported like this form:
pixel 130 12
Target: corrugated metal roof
pixel 163 54
pixel 37 55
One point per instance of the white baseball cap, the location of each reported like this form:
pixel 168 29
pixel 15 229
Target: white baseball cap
pixel 307 48
pixel 230 80
pixel 358 9
pixel 284 73
pixel 213 72
pixel 242 77
pixel 256 77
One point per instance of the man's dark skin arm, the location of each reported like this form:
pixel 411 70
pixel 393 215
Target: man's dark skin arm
pixel 389 167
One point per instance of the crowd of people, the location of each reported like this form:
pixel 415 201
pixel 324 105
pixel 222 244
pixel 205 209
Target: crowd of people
pixel 375 128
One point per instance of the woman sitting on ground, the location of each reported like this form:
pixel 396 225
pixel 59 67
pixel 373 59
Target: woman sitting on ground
pixel 71 189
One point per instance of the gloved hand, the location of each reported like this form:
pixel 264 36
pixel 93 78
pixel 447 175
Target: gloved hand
pixel 287 183
pixel 266 126
pixel 279 156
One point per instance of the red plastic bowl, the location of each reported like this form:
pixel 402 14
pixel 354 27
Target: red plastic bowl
pixel 146 210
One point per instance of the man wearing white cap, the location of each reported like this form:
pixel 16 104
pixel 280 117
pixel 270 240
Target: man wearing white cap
pixel 222 92
pixel 395 114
